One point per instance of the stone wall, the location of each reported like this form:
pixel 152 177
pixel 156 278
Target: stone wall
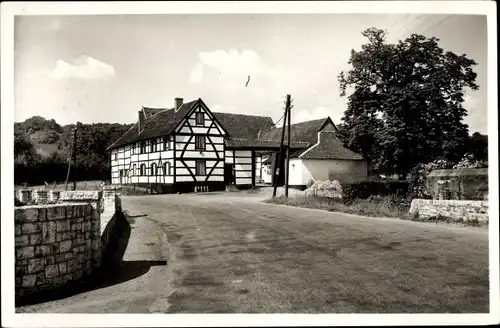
pixel 458 184
pixel 459 210
pixel 54 244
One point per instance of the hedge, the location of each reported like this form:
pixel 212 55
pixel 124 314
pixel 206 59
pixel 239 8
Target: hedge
pixel 365 189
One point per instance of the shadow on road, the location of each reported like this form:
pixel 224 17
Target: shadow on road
pixel 113 269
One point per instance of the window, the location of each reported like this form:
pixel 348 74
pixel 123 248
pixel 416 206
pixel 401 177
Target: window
pixel 166 142
pixel 153 169
pixel 152 146
pixel 199 143
pixel 200 119
pixel 143 169
pixel 166 168
pixel 200 168
pixel 134 172
pixel 143 147
pixel 115 156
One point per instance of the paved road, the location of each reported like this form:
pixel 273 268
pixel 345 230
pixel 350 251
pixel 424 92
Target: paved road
pixel 229 253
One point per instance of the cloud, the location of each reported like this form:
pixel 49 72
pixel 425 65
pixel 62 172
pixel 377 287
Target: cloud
pixel 230 70
pixel 221 75
pixel 216 107
pixel 317 113
pixel 196 75
pixel 84 67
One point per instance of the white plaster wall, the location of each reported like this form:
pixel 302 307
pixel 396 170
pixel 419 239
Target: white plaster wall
pixel 318 170
pixel 296 172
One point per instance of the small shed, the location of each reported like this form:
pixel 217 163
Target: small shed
pixel 458 184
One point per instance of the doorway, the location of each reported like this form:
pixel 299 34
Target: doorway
pixel 229 174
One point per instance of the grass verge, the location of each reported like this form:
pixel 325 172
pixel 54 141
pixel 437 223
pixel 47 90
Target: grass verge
pixel 390 207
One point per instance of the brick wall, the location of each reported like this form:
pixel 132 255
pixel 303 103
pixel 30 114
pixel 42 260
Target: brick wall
pixel 54 244
pixel 460 210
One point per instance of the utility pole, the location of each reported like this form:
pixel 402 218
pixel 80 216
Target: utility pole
pixel 74 156
pixel 281 147
pixel 289 110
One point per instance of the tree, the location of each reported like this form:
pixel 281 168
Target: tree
pixel 478 146
pixel 24 150
pixel 405 105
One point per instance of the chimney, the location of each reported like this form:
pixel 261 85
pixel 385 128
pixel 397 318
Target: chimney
pixel 142 118
pixel 178 103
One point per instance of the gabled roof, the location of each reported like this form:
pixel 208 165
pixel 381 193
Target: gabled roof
pixel 304 131
pixel 251 143
pixel 244 126
pixel 157 125
pixel 329 147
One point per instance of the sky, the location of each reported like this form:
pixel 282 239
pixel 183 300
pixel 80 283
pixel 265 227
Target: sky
pixel 104 68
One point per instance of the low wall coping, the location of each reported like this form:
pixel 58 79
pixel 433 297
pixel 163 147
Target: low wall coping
pixel 81 195
pixel 30 213
pixel 457 202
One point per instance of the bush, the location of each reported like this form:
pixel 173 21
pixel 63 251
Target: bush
pixel 419 174
pixel 367 189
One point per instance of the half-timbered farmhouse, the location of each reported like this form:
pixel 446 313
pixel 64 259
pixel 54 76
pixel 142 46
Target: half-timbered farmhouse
pixel 189 148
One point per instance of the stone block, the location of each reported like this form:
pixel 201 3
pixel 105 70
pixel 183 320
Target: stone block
pixel 42 214
pixel 26 214
pixel 25 196
pixel 36 265
pixel 47 286
pixel 44 250
pixel 58 281
pixel 36 239
pixel 76 227
pixel 29 281
pixel 70 211
pixel 22 262
pixel 40 196
pixel 18 230
pixel 49 260
pixel 18 282
pixel 56 212
pixel 62 268
pixel 64 246
pixel 49 232
pixel 25 252
pixel 71 266
pixel 63 225
pixel 61 257
pixel 51 271
pixel 22 240
pixel 78 220
pixel 68 277
pixel 40 278
pixel 60 236
pixel 29 228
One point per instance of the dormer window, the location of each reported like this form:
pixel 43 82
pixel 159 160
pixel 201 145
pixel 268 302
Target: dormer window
pixel 200 119
pixel 143 147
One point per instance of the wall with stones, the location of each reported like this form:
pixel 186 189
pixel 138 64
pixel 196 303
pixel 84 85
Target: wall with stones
pixel 459 210
pixel 458 184
pixel 54 244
